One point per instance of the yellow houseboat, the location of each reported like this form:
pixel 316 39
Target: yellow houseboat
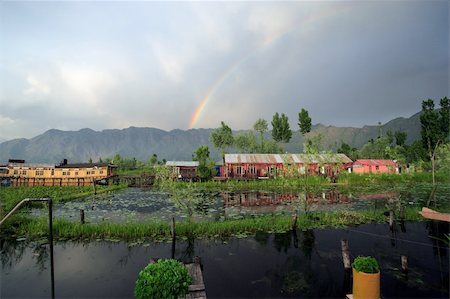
pixel 19 173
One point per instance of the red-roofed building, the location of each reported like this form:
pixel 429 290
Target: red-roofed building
pixel 375 166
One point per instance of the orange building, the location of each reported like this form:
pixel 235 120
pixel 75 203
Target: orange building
pixel 375 166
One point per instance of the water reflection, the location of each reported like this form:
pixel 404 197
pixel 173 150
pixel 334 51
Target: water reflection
pixel 266 265
pixel 138 205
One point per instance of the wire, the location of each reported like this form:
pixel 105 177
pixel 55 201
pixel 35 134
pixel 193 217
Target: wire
pixel 387 237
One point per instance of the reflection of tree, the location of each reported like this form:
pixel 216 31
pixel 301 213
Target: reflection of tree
pixel 308 241
pixel 294 277
pixel 187 255
pixel 41 254
pixel 438 232
pixel 11 252
pixel 282 241
pixel 262 237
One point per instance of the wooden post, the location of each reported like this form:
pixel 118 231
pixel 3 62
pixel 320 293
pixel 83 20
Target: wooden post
pixel 346 255
pixel 404 264
pixel 82 216
pixel 94 186
pixel 294 221
pixel 172 230
pixel 402 212
pixel 391 219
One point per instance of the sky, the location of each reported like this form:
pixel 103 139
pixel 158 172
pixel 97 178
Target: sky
pixel 181 65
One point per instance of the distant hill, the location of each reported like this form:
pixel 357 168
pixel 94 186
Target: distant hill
pixel 79 146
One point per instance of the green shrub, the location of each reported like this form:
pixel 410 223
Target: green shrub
pixel 366 264
pixel 164 279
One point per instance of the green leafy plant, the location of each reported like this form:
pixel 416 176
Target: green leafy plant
pixel 167 278
pixel 366 264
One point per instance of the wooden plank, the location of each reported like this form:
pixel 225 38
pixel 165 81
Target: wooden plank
pixel 197 288
pixel 431 214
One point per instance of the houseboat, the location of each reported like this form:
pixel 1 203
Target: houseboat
pixel 20 173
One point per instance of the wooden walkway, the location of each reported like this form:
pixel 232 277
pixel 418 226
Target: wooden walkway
pixel 197 288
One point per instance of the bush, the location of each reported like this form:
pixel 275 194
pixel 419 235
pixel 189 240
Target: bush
pixel 366 264
pixel 163 279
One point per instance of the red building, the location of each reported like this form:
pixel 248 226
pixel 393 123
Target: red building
pixel 375 166
pixel 271 165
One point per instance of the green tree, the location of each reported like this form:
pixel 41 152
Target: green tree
pixel 347 150
pixel 304 121
pixel 314 144
pixel 400 138
pixel 415 152
pixel 222 138
pixel 390 136
pixel 261 127
pixel 153 159
pixel 281 131
pixel 434 128
pixel 246 142
pixel 205 164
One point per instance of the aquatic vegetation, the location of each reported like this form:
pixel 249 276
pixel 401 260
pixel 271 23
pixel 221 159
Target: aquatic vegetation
pixel 10 196
pixel 160 230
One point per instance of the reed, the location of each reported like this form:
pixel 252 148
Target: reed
pixel 157 230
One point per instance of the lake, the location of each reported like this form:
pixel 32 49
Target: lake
pixel 305 264
pixel 139 205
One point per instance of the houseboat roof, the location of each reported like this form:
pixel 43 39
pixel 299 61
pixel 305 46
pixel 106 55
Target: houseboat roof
pixel 84 165
pixel 286 158
pixel 375 162
pixel 253 158
pixel 30 165
pixel 182 163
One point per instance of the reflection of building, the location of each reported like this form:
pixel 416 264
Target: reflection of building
pixel 375 166
pixel 20 173
pixel 271 165
pixel 258 198
pixel 183 170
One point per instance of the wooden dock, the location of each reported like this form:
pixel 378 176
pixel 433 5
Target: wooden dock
pixel 197 288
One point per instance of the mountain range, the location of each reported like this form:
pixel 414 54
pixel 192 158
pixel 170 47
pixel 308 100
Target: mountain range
pixel 80 146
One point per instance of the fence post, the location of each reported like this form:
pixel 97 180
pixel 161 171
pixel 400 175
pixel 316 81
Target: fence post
pixel 346 255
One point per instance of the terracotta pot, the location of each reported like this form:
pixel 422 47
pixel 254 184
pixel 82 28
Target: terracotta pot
pixel 366 285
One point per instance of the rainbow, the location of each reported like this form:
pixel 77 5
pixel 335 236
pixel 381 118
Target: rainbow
pixel 272 40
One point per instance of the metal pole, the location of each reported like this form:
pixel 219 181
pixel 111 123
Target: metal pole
pixel 50 237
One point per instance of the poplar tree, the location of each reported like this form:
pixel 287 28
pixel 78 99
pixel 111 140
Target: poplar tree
pixel 222 138
pixel 281 131
pixel 434 128
pixel 304 121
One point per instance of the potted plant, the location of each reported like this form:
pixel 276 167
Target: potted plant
pixel 366 278
pixel 167 278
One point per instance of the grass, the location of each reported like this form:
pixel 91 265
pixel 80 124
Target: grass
pixel 64 230
pixel 10 196
pixel 385 178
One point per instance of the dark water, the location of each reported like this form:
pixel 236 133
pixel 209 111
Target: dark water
pixel 306 264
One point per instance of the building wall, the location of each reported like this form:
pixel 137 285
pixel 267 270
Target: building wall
pixel 360 169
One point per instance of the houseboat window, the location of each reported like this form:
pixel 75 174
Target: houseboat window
pixel 76 172
pixel 101 171
pixel 39 172
pixel 53 172
pixel 24 172
pixel 16 171
pixel 93 172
